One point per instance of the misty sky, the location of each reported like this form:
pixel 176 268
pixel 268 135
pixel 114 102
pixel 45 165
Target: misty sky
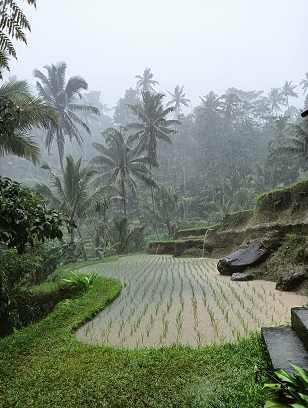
pixel 202 44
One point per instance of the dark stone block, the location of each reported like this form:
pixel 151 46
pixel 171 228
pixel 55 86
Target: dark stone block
pixel 241 259
pixel 292 280
pixel 299 322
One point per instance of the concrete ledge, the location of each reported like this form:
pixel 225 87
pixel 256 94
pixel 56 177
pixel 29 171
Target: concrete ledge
pixel 284 348
pixel 299 321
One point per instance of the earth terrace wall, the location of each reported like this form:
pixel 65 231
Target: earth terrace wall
pixel 276 214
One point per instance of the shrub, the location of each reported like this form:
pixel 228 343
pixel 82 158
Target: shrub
pixel 82 282
pixel 24 217
pixel 15 270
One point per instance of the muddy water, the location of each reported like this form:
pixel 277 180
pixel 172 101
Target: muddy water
pixel 166 300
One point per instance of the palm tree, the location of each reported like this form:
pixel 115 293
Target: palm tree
pixel 178 99
pixel 276 98
pixel 229 103
pixel 287 91
pixel 122 163
pixel 298 144
pixel 153 125
pixel 122 235
pixel 166 199
pixel 211 102
pixel 146 82
pixel 74 194
pixel 20 113
pixel 210 108
pixel 62 96
pixel 304 83
pixel 13 22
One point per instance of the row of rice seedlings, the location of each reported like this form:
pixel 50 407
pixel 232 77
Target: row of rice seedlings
pixel 153 304
pixel 221 300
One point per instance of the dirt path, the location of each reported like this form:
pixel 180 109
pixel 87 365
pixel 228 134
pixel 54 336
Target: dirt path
pixel 168 300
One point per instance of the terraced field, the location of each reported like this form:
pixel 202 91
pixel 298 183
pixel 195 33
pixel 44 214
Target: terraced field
pixel 166 300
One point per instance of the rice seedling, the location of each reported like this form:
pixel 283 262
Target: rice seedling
pixel 169 304
pixel 167 300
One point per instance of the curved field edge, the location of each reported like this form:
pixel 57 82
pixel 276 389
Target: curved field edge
pixel 44 365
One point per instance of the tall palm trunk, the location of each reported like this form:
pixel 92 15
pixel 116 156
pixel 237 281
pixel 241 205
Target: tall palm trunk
pixel 60 149
pixel 82 245
pixel 72 237
pixel 153 208
pixel 124 199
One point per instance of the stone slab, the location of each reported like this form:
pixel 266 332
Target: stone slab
pixel 284 348
pixel 299 322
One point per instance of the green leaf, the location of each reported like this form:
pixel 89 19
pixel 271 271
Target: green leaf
pixel 274 404
pixel 285 377
pixel 273 386
pixel 303 373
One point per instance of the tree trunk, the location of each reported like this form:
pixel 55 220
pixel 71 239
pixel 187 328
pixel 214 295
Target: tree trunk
pixel 153 208
pixel 184 180
pixel 82 245
pixel 124 199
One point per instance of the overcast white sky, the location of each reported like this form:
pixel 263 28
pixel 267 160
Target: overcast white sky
pixel 202 44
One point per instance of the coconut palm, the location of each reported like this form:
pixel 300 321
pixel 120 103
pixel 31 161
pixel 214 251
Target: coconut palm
pixel 178 99
pixel 210 108
pixel 62 96
pixel 288 91
pixel 74 194
pixel 229 103
pixel 122 164
pixel 276 98
pixel 296 145
pixel 304 83
pixel 146 82
pixel 211 102
pixel 20 113
pixel 166 200
pixel 153 125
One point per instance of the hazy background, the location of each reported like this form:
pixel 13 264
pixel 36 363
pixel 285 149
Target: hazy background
pixel 202 44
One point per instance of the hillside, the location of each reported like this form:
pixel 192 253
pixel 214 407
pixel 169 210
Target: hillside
pixel 279 221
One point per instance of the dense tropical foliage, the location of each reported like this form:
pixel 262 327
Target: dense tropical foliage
pixel 217 158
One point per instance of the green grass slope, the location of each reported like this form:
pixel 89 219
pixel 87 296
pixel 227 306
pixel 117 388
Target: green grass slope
pixel 44 365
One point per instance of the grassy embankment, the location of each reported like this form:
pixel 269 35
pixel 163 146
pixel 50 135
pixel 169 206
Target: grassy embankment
pixel 44 365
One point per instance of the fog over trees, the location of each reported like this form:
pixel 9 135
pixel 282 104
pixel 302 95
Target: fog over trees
pixel 153 159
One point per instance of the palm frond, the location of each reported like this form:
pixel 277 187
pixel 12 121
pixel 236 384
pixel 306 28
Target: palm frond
pixel 20 145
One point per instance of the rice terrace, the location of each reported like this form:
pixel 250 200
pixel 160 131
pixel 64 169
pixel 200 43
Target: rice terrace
pixel 185 301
